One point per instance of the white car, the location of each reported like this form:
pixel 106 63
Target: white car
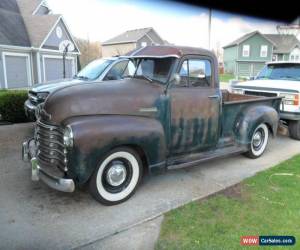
pixel 278 79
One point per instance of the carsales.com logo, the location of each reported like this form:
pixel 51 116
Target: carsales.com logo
pixel 268 240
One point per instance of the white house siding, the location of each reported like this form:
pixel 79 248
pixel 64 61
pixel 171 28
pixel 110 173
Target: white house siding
pixel 144 41
pixel 117 49
pixel 1 72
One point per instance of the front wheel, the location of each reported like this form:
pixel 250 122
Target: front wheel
pixel 117 176
pixel 259 141
pixel 294 129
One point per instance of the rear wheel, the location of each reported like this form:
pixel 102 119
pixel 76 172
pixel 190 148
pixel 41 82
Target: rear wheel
pixel 117 176
pixel 294 129
pixel 259 141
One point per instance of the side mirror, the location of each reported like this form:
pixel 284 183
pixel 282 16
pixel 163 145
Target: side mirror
pixel 176 79
pixel 201 76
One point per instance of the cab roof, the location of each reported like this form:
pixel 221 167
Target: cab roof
pixel 163 51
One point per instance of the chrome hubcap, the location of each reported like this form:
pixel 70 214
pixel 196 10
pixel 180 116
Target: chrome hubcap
pixel 257 139
pixel 116 175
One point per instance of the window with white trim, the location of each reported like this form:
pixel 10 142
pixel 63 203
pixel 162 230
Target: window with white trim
pixel 246 50
pixel 295 54
pixel 263 50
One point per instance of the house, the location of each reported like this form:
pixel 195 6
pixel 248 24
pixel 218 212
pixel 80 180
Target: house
pixel 32 41
pixel 131 40
pixel 247 55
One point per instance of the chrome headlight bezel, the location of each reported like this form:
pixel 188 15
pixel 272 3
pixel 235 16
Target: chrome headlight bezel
pixel 68 136
pixel 41 96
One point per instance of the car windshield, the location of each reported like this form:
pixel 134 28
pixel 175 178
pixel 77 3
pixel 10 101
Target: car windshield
pixel 94 69
pixel 155 69
pixel 280 72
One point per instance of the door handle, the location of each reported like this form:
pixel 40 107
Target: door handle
pixel 213 96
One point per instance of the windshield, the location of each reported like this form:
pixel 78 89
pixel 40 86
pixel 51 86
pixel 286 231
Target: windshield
pixel 94 69
pixel 155 69
pixel 280 72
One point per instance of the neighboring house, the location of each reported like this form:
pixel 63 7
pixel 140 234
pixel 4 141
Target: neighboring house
pixel 131 40
pixel 247 55
pixel 31 43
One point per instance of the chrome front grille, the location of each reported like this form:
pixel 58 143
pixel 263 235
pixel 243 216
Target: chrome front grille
pixel 50 146
pixel 32 96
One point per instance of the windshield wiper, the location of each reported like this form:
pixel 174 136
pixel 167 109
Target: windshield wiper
pixel 82 77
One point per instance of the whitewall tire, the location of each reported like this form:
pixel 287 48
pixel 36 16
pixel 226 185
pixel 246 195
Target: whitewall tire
pixel 117 176
pixel 259 141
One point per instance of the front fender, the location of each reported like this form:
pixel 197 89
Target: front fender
pixel 94 136
pixel 250 118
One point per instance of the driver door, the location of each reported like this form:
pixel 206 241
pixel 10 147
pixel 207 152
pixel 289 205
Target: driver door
pixel 195 107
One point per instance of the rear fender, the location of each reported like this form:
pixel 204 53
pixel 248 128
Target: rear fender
pixel 250 118
pixel 95 136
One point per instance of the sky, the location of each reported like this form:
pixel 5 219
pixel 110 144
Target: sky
pixel 180 24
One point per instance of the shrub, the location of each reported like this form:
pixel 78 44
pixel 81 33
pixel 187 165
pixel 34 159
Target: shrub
pixel 12 105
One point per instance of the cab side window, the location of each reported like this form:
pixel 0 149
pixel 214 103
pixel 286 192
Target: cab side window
pixel 195 73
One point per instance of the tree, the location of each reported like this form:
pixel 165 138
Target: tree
pixel 89 51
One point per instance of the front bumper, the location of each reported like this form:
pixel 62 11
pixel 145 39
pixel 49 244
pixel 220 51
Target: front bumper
pixel 30 110
pixel 40 173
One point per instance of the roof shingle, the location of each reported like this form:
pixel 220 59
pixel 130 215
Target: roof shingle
pixel 12 29
pixel 283 43
pixel 129 36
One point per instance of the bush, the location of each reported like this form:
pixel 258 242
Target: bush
pixel 12 105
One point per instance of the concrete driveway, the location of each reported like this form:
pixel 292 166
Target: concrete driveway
pixel 32 216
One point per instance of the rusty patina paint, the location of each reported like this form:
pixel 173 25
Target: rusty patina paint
pixel 163 121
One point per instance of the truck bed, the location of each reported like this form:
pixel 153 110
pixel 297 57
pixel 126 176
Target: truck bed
pixel 229 98
pixel 235 105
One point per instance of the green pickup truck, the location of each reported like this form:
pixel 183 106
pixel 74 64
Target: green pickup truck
pixel 171 113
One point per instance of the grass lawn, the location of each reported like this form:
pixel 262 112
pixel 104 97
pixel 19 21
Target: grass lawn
pixel 225 77
pixel 265 204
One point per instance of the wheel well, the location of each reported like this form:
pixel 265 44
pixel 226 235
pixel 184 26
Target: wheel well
pixel 270 128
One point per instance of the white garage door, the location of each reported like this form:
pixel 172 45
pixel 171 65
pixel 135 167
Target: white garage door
pixel 17 72
pixel 53 68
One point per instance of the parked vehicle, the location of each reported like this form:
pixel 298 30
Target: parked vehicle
pixel 278 79
pixel 170 114
pixel 113 68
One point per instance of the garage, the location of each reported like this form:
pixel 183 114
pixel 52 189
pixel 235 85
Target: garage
pixel 246 69
pixel 53 67
pixel 17 70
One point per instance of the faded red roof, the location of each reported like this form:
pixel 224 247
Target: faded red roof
pixel 168 51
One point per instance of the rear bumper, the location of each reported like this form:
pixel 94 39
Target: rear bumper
pixel 40 173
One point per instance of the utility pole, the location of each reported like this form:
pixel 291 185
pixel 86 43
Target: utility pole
pixel 209 28
pixel 64 59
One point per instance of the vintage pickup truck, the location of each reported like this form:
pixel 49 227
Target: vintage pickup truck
pixel 169 114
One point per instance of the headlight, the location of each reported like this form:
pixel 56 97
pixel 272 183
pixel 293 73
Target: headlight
pixel 41 96
pixel 290 99
pixel 238 91
pixel 68 136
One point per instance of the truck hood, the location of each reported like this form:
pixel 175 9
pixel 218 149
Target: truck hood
pixel 54 85
pixel 271 85
pixel 121 97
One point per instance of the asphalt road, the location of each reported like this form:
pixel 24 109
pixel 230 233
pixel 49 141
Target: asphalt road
pixel 32 216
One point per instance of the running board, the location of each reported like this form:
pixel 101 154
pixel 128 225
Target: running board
pixel 195 159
